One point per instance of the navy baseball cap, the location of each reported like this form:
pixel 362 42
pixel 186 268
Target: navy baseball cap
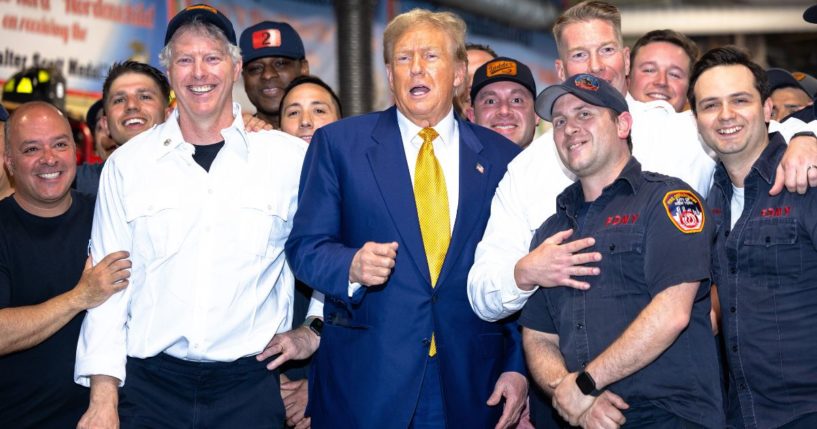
pixel 780 78
pixel 90 117
pixel 810 15
pixel 502 69
pixel 271 39
pixel 4 114
pixel 587 87
pixel 204 13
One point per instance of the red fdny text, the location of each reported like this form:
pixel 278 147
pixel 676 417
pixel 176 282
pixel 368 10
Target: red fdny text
pixel 775 212
pixel 621 219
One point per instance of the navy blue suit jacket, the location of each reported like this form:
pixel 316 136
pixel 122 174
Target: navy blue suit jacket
pixel 356 187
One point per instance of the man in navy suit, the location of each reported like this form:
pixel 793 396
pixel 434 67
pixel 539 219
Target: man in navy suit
pixel 392 206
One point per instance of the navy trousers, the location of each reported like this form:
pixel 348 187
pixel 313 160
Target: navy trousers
pixel 165 392
pixel 430 413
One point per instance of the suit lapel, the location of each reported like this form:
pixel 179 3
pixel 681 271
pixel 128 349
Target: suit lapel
pixel 387 160
pixel 474 173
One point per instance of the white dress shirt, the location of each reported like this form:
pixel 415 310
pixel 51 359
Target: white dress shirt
pixel 209 281
pixel 792 126
pixel 663 141
pixel 447 152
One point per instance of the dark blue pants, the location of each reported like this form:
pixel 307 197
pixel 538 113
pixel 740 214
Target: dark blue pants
pixel 165 392
pixel 430 413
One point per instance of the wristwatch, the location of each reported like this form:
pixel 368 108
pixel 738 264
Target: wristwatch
pixel 804 134
pixel 586 384
pixel 315 324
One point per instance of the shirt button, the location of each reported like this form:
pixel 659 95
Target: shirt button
pixel 584 364
pixel 732 309
pixel 210 191
pixel 612 247
pixel 726 233
pixel 735 349
pixel 768 239
pixel 167 142
pixel 742 386
pixel 434 298
pixel 579 325
pixel 733 270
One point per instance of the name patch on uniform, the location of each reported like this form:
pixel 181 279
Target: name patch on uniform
pixel 775 212
pixel 621 219
pixel 685 211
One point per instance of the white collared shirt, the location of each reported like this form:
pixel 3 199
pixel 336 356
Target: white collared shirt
pixel 664 141
pixel 209 281
pixel 446 149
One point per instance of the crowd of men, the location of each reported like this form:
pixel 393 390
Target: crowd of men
pixel 650 261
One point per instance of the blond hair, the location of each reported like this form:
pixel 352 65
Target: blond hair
pixel 448 22
pixel 588 11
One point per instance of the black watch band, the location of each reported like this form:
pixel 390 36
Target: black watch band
pixel 315 324
pixel 804 134
pixel 586 384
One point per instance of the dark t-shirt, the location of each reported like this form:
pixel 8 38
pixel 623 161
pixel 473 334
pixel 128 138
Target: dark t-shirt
pixel 206 154
pixel 41 258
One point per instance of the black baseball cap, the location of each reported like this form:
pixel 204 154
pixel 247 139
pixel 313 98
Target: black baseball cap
pixel 204 13
pixel 90 117
pixel 587 87
pixel 810 15
pixel 780 78
pixel 502 69
pixel 271 39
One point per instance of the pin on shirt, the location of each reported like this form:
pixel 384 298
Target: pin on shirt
pixel 480 168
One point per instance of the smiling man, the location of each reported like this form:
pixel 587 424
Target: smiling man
pixel 135 97
pixel 620 351
pixel 46 282
pixel 764 259
pixel 502 96
pixel 273 56
pixel 205 209
pixel 392 205
pixel 661 61
pixel 308 104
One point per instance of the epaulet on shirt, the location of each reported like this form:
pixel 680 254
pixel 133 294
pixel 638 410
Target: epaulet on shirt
pixel 656 177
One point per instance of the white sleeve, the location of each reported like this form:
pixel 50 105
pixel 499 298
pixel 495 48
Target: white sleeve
pixel 524 199
pixel 316 305
pixel 101 349
pixel 793 126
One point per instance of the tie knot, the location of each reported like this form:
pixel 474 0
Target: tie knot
pixel 428 134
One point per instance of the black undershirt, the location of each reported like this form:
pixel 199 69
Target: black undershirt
pixel 205 154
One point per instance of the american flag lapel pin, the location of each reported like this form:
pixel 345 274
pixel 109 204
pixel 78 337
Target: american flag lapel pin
pixel 480 168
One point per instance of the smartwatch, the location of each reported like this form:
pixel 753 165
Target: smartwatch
pixel 586 384
pixel 804 134
pixel 315 324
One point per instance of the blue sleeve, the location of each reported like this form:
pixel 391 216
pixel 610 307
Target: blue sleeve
pixel 515 356
pixel 678 240
pixel 314 249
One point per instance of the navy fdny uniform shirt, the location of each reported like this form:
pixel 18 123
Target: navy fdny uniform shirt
pixel 766 272
pixel 653 233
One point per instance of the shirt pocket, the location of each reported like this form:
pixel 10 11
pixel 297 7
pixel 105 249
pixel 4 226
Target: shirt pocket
pixel 773 251
pixel 622 265
pixel 157 223
pixel 262 224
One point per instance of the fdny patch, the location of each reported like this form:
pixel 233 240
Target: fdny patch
pixel 685 211
pixel 587 82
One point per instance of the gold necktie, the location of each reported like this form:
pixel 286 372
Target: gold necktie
pixel 431 197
